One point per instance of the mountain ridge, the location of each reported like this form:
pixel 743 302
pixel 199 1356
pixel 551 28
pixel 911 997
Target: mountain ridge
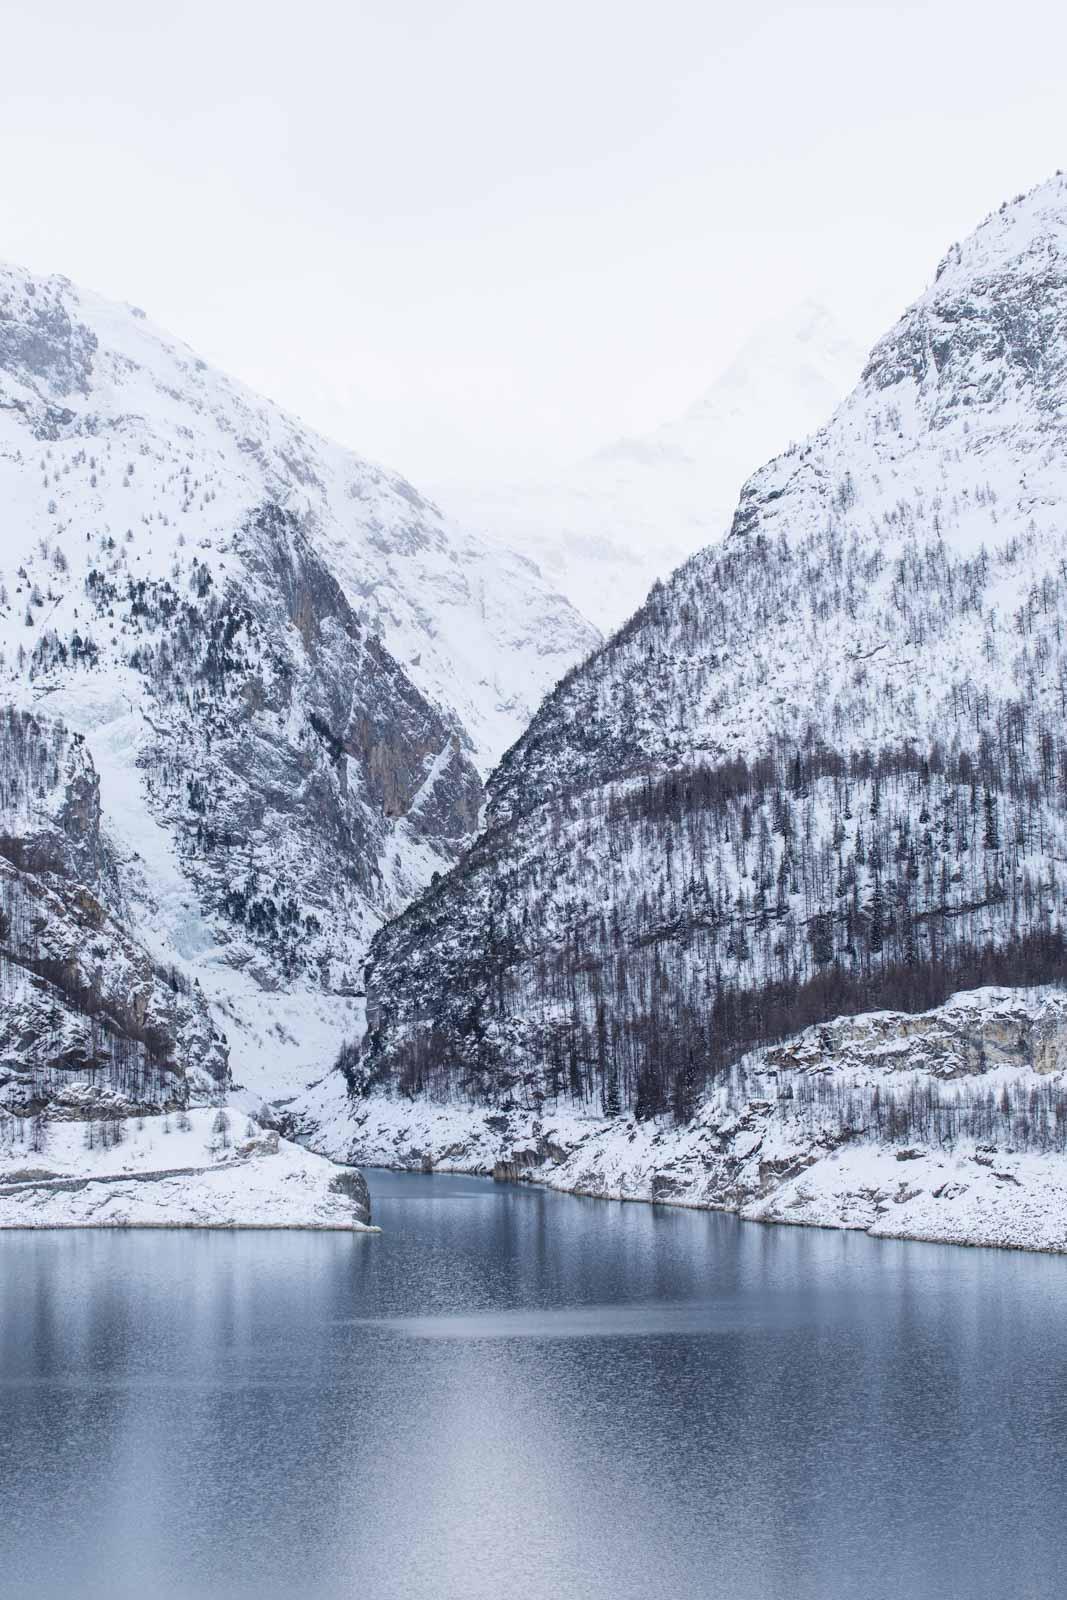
pixel 821 772
pixel 290 669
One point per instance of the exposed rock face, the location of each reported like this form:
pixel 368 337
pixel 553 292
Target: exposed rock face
pixel 87 1017
pixel 310 762
pixel 42 343
pixel 353 1185
pixel 973 1036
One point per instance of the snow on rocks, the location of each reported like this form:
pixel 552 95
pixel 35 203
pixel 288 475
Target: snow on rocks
pixel 83 1007
pixel 112 428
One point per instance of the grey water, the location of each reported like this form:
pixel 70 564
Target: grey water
pixel 514 1393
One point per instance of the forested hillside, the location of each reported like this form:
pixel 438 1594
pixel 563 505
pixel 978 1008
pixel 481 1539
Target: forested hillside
pixel 821 771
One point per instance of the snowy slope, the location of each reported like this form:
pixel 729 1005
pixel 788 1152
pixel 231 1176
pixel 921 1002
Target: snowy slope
pixel 108 424
pixel 86 1015
pixel 822 771
pixel 631 513
pixel 886 578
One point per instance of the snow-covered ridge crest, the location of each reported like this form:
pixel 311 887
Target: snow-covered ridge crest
pixel 981 359
pixel 183 449
pixel 1033 222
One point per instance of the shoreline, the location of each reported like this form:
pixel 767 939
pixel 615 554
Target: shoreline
pixel 532 1181
pixel 190 1227
pixel 193 1176
pixel 752 1161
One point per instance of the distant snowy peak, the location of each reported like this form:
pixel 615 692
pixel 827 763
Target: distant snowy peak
pixel 632 512
pixel 783 381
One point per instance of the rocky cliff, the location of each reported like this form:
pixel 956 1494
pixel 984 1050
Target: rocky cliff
pixel 88 1020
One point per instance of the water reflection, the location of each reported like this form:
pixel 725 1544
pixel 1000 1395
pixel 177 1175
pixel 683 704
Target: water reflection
pixel 511 1391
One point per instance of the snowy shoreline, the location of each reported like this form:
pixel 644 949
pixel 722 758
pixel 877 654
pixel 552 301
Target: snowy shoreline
pixel 829 1226
pixel 187 1171
pixel 770 1217
pixel 190 1227
pixel 793 1136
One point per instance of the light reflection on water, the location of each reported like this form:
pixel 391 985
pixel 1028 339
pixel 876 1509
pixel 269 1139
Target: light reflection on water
pixel 513 1392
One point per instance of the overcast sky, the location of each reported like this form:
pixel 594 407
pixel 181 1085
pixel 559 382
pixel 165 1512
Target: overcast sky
pixel 476 240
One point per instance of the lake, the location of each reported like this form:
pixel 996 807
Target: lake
pixel 515 1393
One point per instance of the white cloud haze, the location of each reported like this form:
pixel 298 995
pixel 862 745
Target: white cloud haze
pixel 476 240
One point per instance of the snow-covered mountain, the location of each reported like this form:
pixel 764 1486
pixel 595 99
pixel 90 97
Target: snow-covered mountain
pixel 109 425
pixel 288 668
pixel 629 514
pixel 822 771
pixel 103 1048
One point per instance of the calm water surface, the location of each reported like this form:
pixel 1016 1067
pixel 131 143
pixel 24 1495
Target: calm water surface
pixel 513 1393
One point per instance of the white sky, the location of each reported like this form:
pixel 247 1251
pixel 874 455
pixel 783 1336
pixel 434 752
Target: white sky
pixel 478 239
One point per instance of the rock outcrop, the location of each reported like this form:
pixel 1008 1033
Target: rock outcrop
pixel 88 1018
